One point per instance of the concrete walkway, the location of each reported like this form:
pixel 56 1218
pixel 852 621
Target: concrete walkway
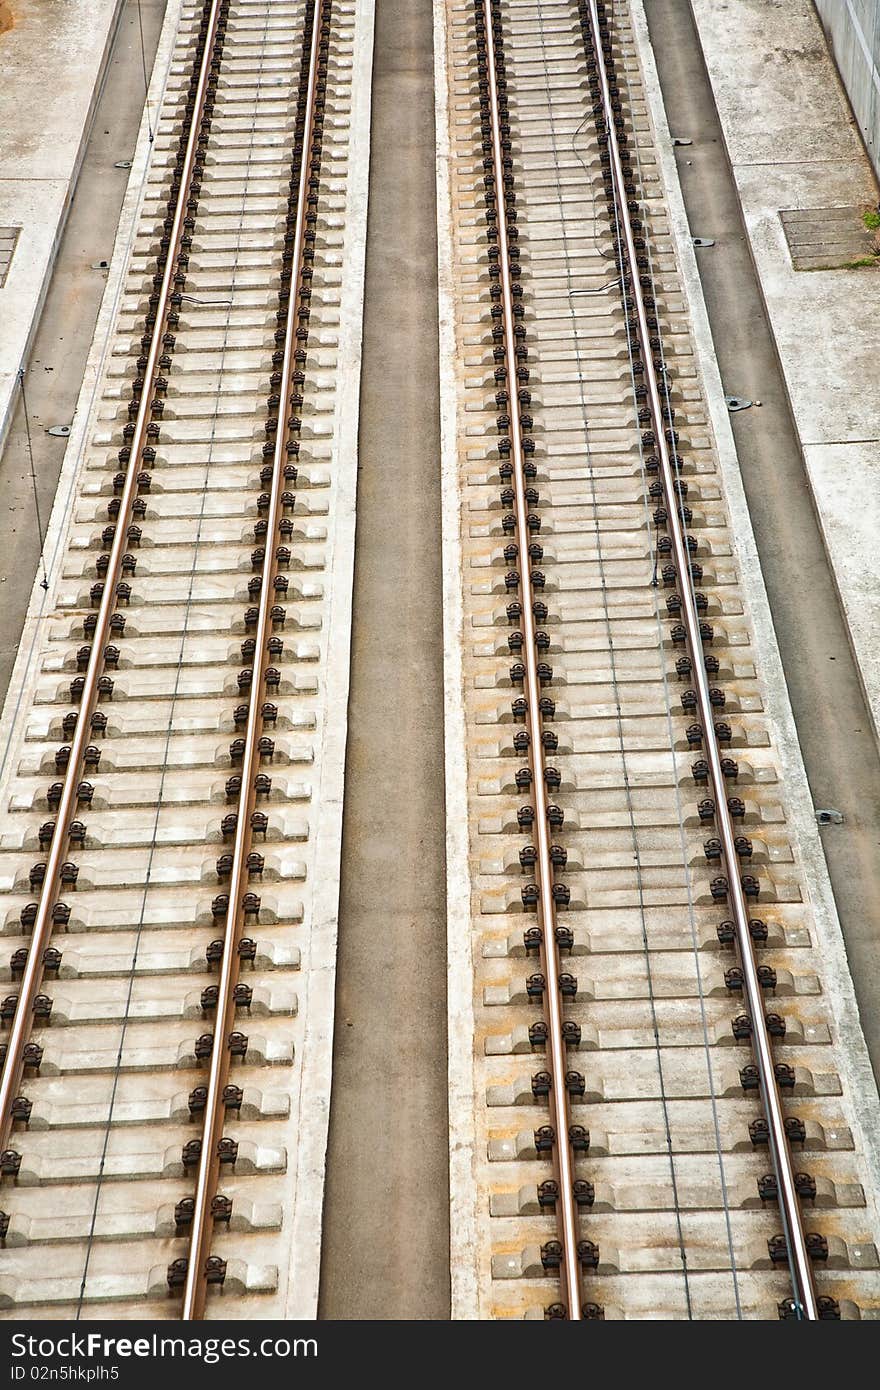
pixel 386 1215
pixel 52 64
pixel 793 143
pixel 52 294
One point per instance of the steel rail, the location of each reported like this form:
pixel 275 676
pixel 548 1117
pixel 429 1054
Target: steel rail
pixel 560 1111
pixel 196 1288
pixel 42 929
pixel 789 1203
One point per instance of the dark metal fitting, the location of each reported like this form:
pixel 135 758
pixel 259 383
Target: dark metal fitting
pixel 542 1083
pixel 555 816
pixel 551 1255
pixel 588 1254
pixel 564 938
pixel 21 1109
pixel 538 1033
pixel 571 1033
pixel 221 1207
pixel 575 1083
pixel 528 857
pixel 545 1136
pixel 191 1153
pixel 237 1044
pixel 532 940
pixel 548 1194
pixel 227 1150
pixel 719 888
pixel 183 1216
pixel 775 1025
pixel 525 817
pixel 584 1192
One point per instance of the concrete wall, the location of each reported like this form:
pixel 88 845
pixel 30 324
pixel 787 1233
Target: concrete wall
pixel 853 30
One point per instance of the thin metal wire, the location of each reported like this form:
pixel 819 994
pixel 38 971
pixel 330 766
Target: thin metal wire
pixel 218 398
pixel 146 79
pixel 44 582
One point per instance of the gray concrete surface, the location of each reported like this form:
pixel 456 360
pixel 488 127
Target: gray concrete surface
pixel 53 60
pixel 833 722
pixel 386 1216
pixel 792 142
pixel 853 29
pixel 67 323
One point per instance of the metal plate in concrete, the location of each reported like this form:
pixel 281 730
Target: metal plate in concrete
pixel 828 238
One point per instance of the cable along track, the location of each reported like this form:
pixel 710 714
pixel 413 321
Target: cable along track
pixel 674 1190
pixel 140 1113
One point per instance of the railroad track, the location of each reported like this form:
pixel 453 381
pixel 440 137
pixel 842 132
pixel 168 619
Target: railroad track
pixel 665 1123
pixel 160 827
pixel 664 1108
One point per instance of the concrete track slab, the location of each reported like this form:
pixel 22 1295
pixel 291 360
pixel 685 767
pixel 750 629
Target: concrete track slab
pixel 793 143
